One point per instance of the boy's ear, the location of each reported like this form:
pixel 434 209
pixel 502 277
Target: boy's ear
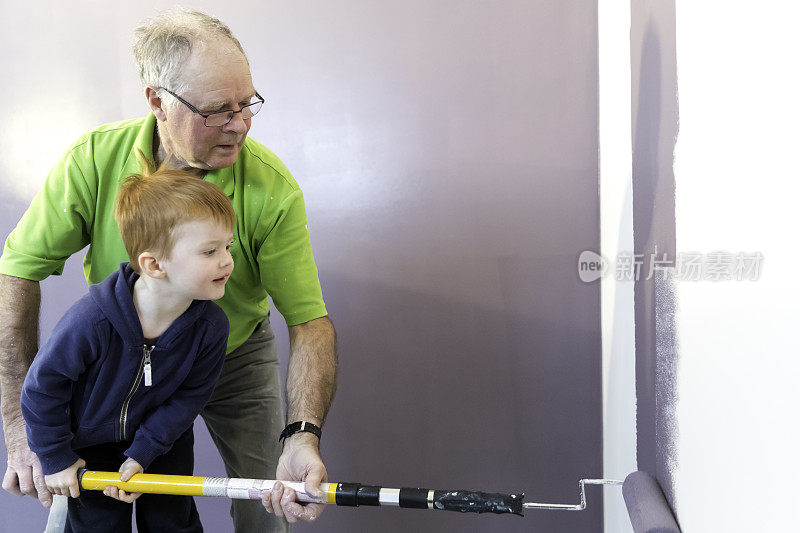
pixel 149 266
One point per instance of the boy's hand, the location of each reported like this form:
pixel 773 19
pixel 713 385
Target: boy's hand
pixel 128 469
pixel 65 482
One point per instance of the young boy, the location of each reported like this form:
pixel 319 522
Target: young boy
pixel 131 364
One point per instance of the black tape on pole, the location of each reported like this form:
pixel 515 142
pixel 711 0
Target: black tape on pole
pixel 466 501
pixel 414 498
pixel 369 495
pixel 347 494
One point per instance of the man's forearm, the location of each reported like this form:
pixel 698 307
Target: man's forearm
pixel 19 338
pixel 311 381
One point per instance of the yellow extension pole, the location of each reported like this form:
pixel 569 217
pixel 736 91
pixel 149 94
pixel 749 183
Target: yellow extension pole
pixel 347 494
pixel 238 488
pixel 147 483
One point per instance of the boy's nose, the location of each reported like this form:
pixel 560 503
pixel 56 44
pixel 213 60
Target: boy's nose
pixel 227 258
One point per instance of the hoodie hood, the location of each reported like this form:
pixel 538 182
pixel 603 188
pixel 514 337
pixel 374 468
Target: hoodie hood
pixel 114 297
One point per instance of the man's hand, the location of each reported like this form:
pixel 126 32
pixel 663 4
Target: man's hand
pixel 19 328
pixel 300 461
pixel 24 472
pixel 128 469
pixel 310 386
pixel 65 483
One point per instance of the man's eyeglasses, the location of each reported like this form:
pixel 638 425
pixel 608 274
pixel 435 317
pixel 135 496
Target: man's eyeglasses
pixel 214 120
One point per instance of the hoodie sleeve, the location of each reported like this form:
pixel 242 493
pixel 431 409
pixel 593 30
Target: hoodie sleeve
pixel 162 426
pixel 48 386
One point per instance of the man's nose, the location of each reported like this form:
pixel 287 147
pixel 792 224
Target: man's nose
pixel 236 125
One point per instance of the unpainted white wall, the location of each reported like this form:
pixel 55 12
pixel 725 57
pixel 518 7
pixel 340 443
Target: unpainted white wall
pixel 616 235
pixel 737 186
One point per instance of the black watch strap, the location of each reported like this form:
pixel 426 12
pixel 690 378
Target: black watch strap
pixel 297 427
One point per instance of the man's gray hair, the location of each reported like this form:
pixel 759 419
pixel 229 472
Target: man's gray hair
pixel 163 43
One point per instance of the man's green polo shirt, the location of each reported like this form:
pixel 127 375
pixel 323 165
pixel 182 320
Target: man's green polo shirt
pixel 271 248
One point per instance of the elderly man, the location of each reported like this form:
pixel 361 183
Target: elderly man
pixel 197 83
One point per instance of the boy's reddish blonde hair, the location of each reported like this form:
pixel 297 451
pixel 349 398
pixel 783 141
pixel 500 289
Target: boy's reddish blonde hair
pixel 152 204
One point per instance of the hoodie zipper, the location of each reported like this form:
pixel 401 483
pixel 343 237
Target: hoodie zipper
pixel 144 369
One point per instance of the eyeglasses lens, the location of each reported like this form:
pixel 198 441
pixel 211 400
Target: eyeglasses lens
pixel 220 119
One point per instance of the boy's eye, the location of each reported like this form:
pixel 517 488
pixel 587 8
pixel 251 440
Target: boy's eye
pixel 209 252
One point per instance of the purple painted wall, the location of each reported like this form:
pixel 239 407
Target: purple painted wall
pixel 448 154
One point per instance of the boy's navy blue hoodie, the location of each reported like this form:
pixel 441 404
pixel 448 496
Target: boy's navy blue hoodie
pixel 86 385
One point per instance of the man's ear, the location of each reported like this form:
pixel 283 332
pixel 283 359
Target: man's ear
pixel 155 102
pixel 149 266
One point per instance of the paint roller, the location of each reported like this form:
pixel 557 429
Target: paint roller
pixel 647 507
pixel 345 494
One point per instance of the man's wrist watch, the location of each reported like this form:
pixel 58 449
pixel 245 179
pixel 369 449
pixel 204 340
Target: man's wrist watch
pixel 297 427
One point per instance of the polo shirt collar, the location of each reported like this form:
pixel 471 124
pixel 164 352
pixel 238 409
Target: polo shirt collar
pixel 143 142
pixel 222 178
